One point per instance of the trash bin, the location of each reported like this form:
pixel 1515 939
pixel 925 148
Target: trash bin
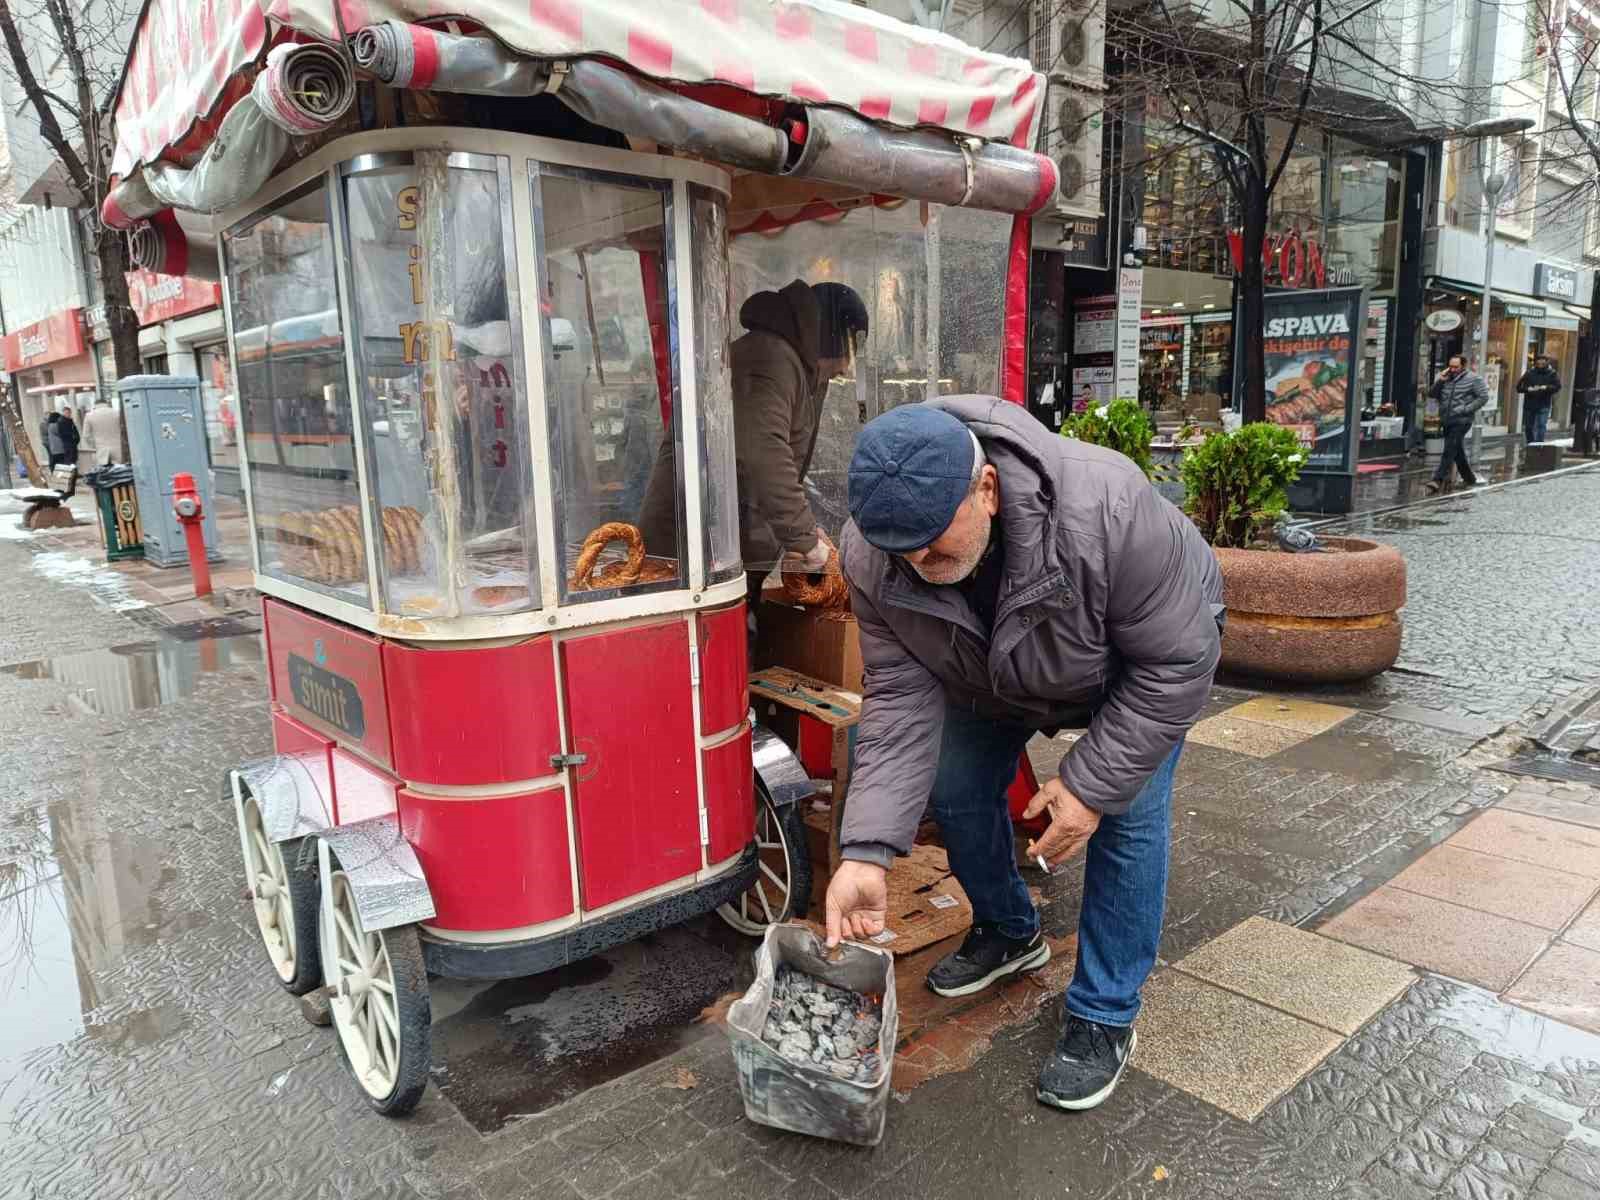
pixel 118 505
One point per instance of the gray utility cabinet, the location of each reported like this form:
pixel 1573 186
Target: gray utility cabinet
pixel 167 434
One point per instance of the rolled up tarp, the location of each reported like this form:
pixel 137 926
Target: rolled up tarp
pixel 303 89
pixel 409 56
pixel 839 147
pixel 161 246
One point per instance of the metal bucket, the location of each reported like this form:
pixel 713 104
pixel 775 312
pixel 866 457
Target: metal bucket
pixel 807 1099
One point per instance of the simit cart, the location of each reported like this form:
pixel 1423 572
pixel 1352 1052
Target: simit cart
pixel 477 277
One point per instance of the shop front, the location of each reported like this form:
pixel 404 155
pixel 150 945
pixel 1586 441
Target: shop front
pixel 182 333
pixel 1335 220
pixel 1522 327
pixel 50 363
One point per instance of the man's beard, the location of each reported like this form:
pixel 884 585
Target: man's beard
pixel 947 569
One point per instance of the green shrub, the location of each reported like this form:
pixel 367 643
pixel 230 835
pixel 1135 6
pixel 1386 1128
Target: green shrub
pixel 1120 425
pixel 1236 484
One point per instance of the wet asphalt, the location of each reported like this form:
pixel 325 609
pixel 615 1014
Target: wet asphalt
pixel 146 1050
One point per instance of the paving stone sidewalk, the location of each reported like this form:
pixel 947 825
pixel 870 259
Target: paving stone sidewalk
pixel 147 1054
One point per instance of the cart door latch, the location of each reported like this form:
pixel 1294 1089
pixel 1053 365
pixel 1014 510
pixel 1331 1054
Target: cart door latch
pixel 560 762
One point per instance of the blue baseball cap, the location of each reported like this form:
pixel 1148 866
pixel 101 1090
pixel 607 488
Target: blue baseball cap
pixel 910 472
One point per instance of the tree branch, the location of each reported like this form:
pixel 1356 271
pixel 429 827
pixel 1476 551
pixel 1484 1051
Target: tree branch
pixel 35 94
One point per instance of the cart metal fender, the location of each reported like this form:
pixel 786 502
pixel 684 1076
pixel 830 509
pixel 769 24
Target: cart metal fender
pixel 384 874
pixel 293 791
pixel 778 771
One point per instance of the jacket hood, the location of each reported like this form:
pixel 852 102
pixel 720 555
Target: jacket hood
pixel 791 314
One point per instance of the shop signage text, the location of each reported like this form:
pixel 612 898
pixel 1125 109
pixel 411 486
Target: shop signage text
pixel 1555 282
pixel 1312 360
pixel 156 298
pixel 1289 259
pixel 1443 320
pixel 58 336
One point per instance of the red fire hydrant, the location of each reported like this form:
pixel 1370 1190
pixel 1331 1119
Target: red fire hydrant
pixel 186 504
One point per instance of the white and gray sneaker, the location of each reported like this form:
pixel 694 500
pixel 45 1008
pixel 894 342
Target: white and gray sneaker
pixel 1087 1065
pixel 986 956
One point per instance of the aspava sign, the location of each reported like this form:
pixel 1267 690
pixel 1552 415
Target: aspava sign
pixel 1313 325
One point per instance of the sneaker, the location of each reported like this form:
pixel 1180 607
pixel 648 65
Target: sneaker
pixel 1087 1065
pixel 986 955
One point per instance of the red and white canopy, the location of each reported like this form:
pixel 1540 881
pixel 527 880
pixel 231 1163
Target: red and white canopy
pixel 192 59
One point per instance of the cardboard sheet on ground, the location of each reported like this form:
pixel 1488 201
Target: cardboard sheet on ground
pixel 926 904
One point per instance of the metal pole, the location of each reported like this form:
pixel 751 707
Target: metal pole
pixel 1493 182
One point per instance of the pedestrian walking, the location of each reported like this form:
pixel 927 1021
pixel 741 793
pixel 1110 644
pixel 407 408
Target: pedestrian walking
pixel 102 426
pixel 1460 393
pixel 1586 422
pixel 1538 387
pixel 55 447
pixel 66 433
pixel 1005 582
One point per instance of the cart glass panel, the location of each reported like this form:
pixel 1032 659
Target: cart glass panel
pixel 294 406
pixel 708 213
pixel 444 399
pixel 611 375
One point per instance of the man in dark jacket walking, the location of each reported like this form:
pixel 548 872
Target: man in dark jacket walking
pixel 1538 386
pixel 1460 393
pixel 1008 581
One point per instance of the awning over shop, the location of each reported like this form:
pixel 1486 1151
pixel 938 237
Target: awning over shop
pixel 1581 313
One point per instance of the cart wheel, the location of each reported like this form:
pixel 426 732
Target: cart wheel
pixel 378 1001
pixel 782 888
pixel 284 896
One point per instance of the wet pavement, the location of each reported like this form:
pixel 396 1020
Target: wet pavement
pixel 147 1051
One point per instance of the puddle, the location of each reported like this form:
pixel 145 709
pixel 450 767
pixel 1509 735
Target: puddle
pixel 516 1048
pixel 142 675
pixel 76 896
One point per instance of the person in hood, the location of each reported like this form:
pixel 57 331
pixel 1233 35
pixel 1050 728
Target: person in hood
pixel 1007 581
pixel 796 340
pixel 1539 387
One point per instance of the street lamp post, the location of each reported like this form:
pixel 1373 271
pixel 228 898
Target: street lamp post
pixel 1493 184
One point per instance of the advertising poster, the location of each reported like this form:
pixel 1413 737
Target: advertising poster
pixel 1092 387
pixel 1311 342
pixel 1095 327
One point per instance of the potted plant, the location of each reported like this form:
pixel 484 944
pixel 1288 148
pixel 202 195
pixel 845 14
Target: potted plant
pixel 1120 425
pixel 1330 613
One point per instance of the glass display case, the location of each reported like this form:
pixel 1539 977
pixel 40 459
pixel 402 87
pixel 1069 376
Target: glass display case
pixel 462 387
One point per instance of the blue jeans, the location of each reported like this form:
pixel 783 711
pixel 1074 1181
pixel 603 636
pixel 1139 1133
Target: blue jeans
pixel 1535 423
pixel 1125 871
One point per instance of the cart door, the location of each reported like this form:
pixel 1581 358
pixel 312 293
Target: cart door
pixel 630 714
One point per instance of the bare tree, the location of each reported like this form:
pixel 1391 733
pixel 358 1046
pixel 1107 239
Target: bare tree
pixel 1571 136
pixel 63 56
pixel 1245 88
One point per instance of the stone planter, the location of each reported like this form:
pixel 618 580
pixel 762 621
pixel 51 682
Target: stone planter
pixel 1314 618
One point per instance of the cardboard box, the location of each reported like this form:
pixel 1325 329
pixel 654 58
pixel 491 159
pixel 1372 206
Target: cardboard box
pixel 825 646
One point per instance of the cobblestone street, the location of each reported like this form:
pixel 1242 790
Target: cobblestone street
pixel 148 1053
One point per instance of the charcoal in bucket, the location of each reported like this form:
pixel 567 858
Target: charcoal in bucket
pixel 811 1096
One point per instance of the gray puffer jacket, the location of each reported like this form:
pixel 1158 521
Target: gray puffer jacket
pixel 1106 620
pixel 1459 398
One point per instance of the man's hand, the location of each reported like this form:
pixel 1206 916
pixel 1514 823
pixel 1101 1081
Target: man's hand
pixel 1072 823
pixel 813 562
pixel 858 901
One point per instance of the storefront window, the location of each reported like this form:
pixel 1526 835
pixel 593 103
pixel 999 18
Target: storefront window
pixel 294 410
pixel 444 401
pixel 1363 216
pixel 1187 205
pixel 610 370
pixel 1296 204
pixel 220 403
